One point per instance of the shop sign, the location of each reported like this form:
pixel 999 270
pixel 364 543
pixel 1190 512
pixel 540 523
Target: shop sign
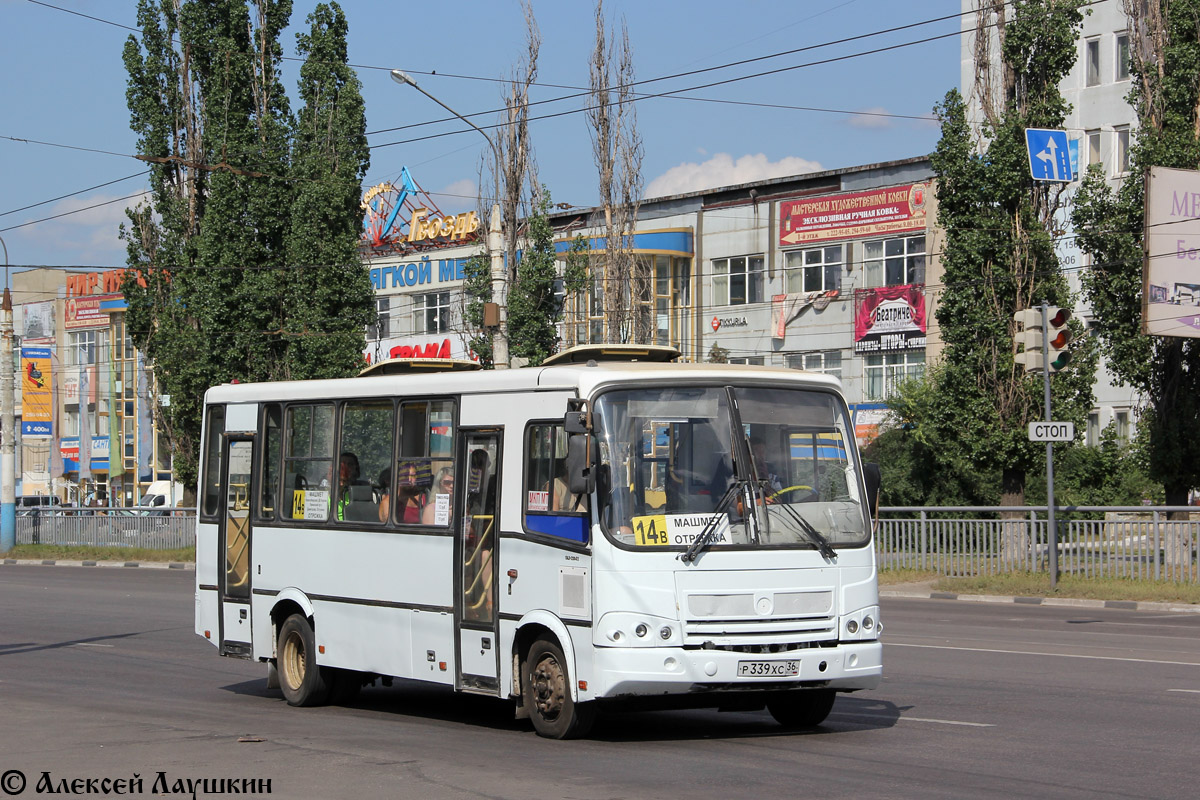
pixel 69 448
pixel 889 318
pixel 848 216
pixel 383 226
pixel 418 273
pixel 728 322
pixel 85 312
pixel 443 348
pixel 88 283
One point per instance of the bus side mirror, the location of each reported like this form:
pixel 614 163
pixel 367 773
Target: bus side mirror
pixel 582 454
pixel 576 418
pixel 874 479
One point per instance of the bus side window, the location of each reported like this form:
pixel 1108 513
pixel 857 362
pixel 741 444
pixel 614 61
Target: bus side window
pixel 214 431
pixel 367 430
pixel 425 468
pixel 550 508
pixel 269 477
pixel 308 476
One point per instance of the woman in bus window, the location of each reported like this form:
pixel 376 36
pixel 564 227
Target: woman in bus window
pixel 443 484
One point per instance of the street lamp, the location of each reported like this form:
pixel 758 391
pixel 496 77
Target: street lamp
pixel 494 242
pixel 8 448
pixel 402 77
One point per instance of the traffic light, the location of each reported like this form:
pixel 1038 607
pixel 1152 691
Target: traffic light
pixel 1028 337
pixel 1057 356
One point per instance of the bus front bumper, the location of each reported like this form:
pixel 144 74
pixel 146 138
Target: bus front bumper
pixel 626 671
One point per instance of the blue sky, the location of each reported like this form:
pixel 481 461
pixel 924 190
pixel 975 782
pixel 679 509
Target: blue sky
pixel 64 83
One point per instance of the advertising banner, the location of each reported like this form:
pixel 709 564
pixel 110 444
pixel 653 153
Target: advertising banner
pixel 97 450
pixel 37 405
pixel 877 212
pixel 889 318
pixel 1171 275
pixel 84 312
pixel 38 322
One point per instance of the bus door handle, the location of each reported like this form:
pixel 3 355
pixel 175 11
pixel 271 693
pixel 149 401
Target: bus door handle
pixel 512 577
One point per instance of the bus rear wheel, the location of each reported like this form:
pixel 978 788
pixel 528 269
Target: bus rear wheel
pixel 546 693
pixel 799 710
pixel 301 680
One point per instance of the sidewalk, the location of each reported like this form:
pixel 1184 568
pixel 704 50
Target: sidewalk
pixel 923 590
pixel 50 562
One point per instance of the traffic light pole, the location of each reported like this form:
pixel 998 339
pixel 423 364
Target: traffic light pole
pixel 1049 451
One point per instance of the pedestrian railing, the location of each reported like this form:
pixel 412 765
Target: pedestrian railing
pixel 153 528
pixel 1093 541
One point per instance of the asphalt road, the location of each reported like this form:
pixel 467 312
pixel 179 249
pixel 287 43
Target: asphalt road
pixel 101 676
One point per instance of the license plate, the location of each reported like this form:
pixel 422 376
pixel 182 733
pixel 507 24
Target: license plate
pixel 768 669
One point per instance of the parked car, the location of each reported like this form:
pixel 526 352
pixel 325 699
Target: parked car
pixel 39 503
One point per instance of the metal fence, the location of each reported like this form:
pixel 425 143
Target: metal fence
pixel 116 527
pixel 1093 541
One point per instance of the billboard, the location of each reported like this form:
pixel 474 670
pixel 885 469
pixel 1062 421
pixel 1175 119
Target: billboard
pixel 877 212
pixel 85 312
pixel 37 408
pixel 889 318
pixel 1171 274
pixel 38 321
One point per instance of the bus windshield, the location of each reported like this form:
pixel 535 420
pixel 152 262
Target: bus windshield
pixel 745 466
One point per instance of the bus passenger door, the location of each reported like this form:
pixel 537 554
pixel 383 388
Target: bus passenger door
pixel 234 541
pixel 475 556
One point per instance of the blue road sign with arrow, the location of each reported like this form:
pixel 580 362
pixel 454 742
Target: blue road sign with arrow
pixel 1049 155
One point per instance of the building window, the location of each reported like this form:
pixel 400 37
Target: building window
pixel 757 361
pixel 737 281
pixel 431 312
pixel 1092 61
pixel 1093 148
pixel 1121 421
pixel 828 362
pixel 1121 59
pixel 816 270
pixel 1121 162
pixel 382 328
pixel 886 371
pixel 1093 428
pixel 894 262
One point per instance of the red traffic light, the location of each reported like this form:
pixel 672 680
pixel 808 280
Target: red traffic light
pixel 1059 317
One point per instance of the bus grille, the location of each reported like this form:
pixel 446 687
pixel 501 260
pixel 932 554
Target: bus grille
pixel 763 620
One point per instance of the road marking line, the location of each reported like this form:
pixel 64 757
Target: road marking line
pixel 90 644
pixel 1189 691
pixel 1056 655
pixel 917 719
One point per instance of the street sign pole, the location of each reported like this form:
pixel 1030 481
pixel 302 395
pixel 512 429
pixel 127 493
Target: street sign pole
pixel 1053 536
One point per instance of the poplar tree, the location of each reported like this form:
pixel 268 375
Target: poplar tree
pixel 1165 71
pixel 998 257
pixel 329 299
pixel 212 290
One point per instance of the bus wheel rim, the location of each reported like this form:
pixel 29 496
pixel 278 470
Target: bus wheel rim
pixel 293 661
pixel 549 686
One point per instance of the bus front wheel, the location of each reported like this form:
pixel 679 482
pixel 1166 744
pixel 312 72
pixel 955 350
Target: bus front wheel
pixel 798 710
pixel 546 693
pixel 300 679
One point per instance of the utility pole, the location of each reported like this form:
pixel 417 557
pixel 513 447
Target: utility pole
pixel 8 448
pixel 1049 450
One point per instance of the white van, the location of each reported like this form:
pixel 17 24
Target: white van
pixel 164 494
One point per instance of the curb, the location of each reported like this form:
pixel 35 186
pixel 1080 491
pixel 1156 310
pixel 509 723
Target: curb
pixel 1127 605
pixel 50 562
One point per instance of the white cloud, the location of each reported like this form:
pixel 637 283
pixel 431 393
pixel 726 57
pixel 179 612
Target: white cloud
pixel 870 118
pixel 89 230
pixel 723 170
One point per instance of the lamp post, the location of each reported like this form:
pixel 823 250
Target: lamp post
pixel 8 447
pixel 499 283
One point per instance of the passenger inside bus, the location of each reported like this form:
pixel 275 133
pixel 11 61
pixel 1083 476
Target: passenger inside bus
pixel 443 486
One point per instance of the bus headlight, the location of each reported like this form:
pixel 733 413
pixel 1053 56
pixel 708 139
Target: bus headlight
pixel 629 629
pixel 641 630
pixel 862 625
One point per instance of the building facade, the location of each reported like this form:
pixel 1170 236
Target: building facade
pixel 87 396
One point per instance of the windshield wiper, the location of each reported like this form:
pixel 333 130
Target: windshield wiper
pixel 700 541
pixel 813 535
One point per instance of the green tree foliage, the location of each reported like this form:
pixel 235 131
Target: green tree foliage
pixel 330 300
pixel 1165 93
pixel 238 193
pixel 477 290
pixel 998 258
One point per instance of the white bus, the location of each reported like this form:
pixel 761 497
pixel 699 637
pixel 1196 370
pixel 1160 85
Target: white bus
pixel 573 536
